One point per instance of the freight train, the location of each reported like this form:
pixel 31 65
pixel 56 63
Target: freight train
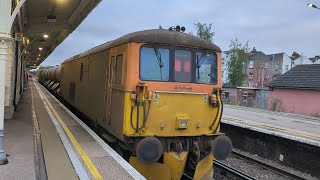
pixel 157 94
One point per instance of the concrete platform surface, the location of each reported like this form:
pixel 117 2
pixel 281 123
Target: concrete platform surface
pixel 93 158
pixel 19 143
pixel 45 140
pixel 296 127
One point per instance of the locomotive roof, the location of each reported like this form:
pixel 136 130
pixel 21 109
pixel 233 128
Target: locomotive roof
pixel 154 36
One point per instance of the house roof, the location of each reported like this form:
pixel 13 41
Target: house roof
pixel 299 77
pixel 253 88
pixel 252 53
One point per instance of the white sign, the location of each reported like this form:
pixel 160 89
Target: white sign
pixel 18 36
pixel 156 97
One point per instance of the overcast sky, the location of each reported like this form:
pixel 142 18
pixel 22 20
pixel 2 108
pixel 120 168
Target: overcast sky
pixel 271 26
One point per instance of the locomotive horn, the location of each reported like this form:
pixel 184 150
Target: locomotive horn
pixel 149 150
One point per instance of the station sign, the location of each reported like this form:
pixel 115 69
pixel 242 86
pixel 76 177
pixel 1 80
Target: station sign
pixel 18 36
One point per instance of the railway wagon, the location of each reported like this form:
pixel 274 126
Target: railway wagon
pixel 157 94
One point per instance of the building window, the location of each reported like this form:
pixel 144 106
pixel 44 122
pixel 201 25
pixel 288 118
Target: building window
pixel 154 64
pixel 251 64
pixel 266 64
pixel 245 97
pixel 226 96
pixel 287 68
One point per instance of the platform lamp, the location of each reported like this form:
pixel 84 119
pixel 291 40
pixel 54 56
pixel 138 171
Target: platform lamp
pixel 45 36
pixel 40 49
pixel 313 6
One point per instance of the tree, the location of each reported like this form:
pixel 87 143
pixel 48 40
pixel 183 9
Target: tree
pixel 204 31
pixel 238 54
pixel 45 67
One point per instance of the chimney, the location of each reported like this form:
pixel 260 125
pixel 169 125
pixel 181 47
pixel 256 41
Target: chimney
pixel 295 54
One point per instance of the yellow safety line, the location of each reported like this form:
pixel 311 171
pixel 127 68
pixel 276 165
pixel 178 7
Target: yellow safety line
pixel 285 130
pixel 93 170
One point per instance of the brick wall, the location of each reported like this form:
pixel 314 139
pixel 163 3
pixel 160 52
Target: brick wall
pixel 298 101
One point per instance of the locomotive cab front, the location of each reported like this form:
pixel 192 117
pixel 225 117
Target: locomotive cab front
pixel 175 109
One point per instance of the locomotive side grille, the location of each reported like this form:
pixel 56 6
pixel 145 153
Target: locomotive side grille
pixel 72 91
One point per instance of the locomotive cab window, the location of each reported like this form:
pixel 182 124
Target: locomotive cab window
pixel 179 64
pixel 154 64
pixel 182 66
pixel 206 68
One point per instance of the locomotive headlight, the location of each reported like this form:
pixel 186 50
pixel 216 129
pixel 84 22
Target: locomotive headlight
pixel 182 123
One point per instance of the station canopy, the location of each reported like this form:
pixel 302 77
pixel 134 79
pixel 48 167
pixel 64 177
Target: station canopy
pixel 46 23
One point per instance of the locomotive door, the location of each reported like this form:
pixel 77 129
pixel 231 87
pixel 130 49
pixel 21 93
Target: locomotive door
pixel 114 83
pixel 109 91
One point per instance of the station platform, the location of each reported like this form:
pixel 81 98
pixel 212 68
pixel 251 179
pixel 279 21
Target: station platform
pixel 44 140
pixel 299 128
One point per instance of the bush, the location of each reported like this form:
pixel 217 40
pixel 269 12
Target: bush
pixel 316 115
pixel 276 105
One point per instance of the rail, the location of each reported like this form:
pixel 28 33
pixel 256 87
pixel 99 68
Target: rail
pixel 268 166
pixel 235 172
pixel 232 170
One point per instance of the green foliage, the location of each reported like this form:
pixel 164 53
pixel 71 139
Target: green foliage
pixel 204 31
pixel 45 67
pixel 238 55
pixel 276 105
pixel 316 115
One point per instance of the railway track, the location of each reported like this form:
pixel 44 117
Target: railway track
pixel 226 169
pixel 237 174
pixel 268 166
pixel 233 171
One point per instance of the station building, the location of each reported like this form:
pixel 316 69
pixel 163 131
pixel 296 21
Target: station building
pixel 29 33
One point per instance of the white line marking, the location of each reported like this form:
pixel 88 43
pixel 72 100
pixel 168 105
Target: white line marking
pixel 124 164
pixel 82 174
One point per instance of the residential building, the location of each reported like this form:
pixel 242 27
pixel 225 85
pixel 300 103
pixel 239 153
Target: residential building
pixel 261 69
pixel 315 60
pixel 298 59
pixel 229 95
pixel 297 91
pixel 246 96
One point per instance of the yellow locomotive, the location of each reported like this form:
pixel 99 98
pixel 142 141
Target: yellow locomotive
pixel 157 94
